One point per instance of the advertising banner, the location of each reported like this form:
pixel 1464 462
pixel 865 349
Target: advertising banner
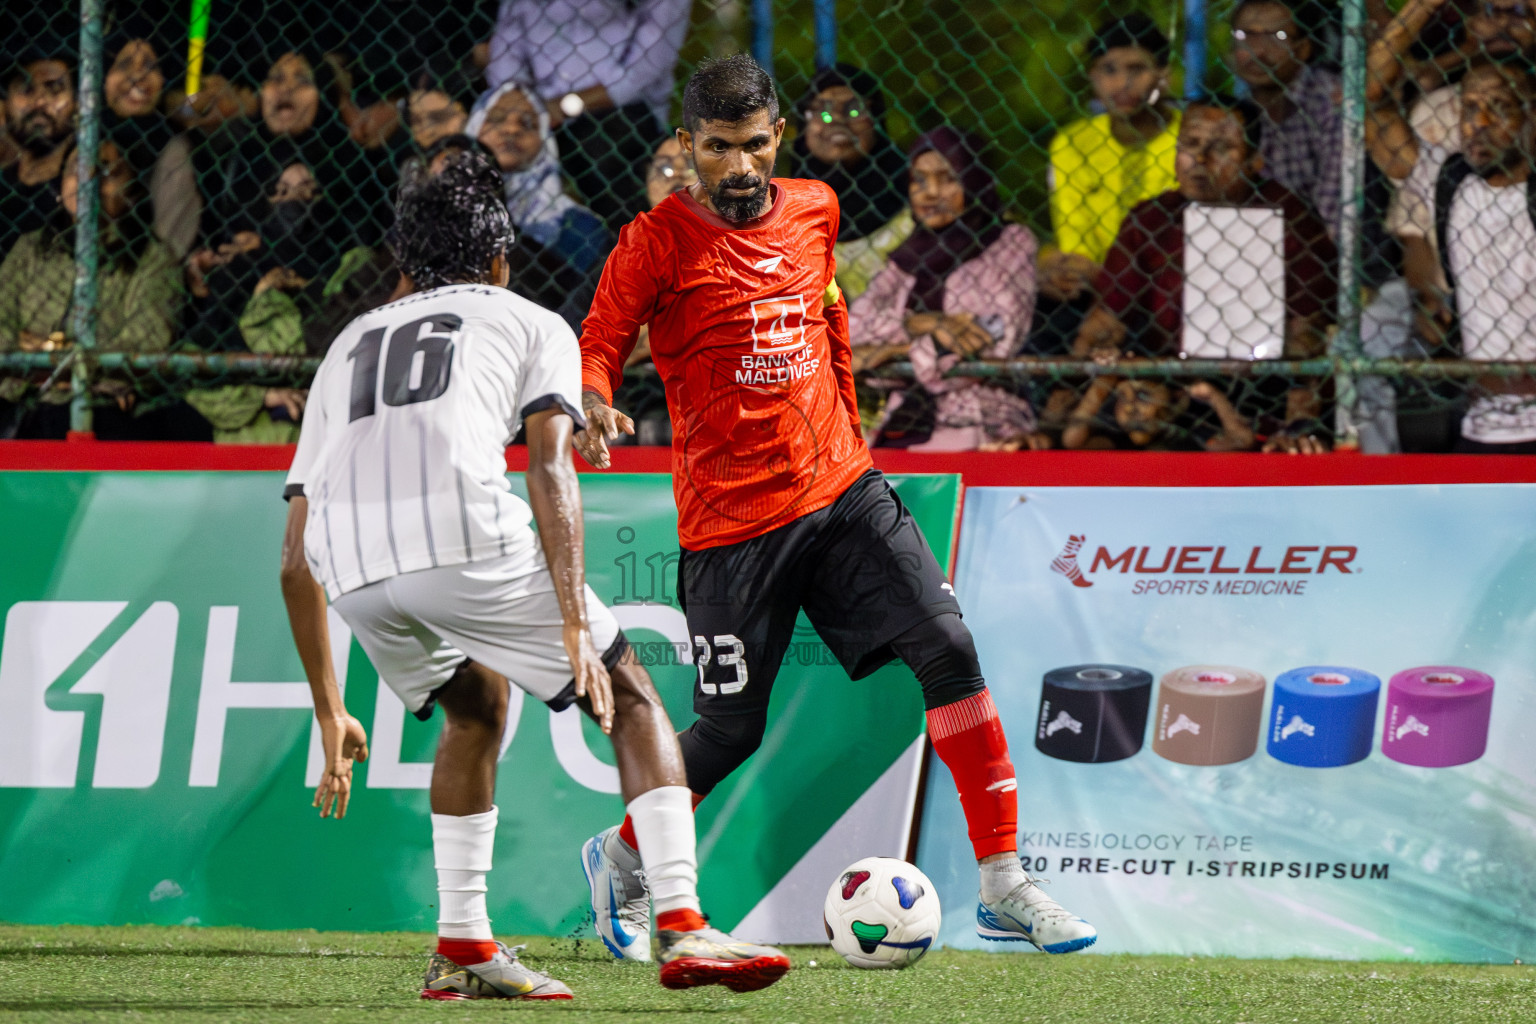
pixel 1261 721
pixel 157 757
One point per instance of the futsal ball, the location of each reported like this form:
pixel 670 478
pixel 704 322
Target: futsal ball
pixel 881 912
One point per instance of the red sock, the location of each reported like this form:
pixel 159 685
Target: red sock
pixel 465 952
pixel 969 739
pixel 627 833
pixel 679 921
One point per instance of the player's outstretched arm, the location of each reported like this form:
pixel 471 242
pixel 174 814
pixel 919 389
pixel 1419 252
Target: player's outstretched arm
pixel 556 501
pixel 635 274
pixel 603 425
pixel 341 735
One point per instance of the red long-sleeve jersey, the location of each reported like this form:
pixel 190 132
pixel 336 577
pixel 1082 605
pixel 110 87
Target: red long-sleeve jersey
pixel 750 337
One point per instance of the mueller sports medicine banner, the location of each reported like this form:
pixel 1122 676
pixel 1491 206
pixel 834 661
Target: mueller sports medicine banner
pixel 1261 721
pixel 157 762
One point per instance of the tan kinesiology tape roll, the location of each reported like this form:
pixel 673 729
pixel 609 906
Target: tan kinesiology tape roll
pixel 1208 714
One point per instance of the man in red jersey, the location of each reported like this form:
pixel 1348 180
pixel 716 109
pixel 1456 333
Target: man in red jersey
pixel 779 506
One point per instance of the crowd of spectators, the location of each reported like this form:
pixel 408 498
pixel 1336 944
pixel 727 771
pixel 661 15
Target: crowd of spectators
pixel 254 216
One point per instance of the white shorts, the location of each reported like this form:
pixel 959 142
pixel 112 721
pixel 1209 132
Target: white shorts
pixel 418 627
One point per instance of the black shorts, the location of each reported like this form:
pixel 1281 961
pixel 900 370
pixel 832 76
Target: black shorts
pixel 860 568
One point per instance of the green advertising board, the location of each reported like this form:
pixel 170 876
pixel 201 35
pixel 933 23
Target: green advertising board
pixel 156 751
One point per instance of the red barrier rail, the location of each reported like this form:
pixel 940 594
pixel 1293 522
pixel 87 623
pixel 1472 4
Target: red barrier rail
pixel 979 469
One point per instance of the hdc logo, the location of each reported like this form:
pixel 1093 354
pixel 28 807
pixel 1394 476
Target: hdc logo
pixel 40 747
pixel 49 655
pixel 44 644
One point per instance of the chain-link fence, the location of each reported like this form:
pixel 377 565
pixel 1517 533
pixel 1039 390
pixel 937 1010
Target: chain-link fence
pixel 1169 226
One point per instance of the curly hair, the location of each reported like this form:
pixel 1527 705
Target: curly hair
pixel 453 223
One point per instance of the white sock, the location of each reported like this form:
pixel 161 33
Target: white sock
pixel 461 847
pixel 999 878
pixel 664 826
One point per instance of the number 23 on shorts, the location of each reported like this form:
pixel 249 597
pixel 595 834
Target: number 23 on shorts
pixel 731 652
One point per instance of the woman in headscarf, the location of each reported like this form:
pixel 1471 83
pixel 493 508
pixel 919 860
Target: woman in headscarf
pixel 298 126
pixel 538 272
pixel 843 143
pixel 433 108
pixel 285 320
pixel 138 301
pixel 292 192
pixel 158 153
pixel 961 287
pixel 513 123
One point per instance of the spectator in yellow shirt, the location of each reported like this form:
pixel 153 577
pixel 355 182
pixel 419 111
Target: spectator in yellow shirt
pixel 1102 166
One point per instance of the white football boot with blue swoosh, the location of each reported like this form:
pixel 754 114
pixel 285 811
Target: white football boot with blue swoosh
pixel 621 902
pixel 1027 914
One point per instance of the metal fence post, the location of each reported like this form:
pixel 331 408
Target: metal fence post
pixel 1194 48
pixel 762 33
pixel 1352 202
pixel 88 141
pixel 826 33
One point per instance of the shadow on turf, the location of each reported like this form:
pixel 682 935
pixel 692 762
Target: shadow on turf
pixel 214 1005
pixel 211 954
pixel 21 1005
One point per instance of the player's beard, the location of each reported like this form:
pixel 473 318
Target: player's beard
pixel 738 209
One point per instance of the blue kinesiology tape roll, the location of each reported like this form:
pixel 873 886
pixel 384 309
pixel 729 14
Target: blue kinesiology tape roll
pixel 1323 716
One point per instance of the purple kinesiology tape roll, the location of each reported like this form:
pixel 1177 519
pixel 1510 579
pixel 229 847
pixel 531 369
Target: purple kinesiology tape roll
pixel 1437 716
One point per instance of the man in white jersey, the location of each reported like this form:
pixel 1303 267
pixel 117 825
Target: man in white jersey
pixel 401 514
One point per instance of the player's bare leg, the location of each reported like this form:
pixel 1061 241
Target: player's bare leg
pixel 643 741
pixel 660 866
pixel 469 962
pixel 474 704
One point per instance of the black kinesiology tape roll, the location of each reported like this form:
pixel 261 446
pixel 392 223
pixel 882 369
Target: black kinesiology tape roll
pixel 1093 713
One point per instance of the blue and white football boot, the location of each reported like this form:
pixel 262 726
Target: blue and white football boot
pixel 621 901
pixel 1027 914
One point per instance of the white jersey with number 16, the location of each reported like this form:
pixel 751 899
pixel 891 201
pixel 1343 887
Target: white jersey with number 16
pixel 402 453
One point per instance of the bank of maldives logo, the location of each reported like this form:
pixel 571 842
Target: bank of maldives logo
pixel 1201 560
pixel 778 324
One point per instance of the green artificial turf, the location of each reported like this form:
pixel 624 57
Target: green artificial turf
pixel 230 974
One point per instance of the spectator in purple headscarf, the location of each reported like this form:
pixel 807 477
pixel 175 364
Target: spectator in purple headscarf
pixel 961 287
